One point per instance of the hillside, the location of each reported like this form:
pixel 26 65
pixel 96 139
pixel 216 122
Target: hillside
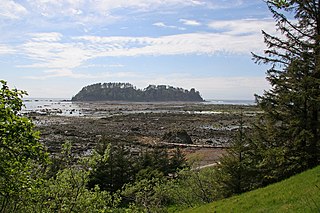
pixel 128 92
pixel 300 193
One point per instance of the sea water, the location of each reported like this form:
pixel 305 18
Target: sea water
pixel 230 102
pixel 65 107
pixel 51 105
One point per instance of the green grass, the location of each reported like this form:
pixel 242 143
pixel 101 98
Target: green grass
pixel 300 193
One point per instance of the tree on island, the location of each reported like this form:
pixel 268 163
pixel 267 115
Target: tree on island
pixel 288 137
pixel 128 92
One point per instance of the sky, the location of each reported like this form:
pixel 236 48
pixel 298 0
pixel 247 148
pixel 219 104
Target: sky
pixel 53 48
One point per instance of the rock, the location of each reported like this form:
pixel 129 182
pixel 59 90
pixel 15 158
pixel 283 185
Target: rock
pixel 135 129
pixel 178 136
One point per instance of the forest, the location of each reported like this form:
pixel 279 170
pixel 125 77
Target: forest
pixel 283 141
pixel 128 92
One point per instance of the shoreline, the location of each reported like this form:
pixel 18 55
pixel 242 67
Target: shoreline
pixel 210 127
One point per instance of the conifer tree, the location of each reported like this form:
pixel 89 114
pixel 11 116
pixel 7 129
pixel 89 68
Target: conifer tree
pixel 118 169
pixel 288 131
pixel 234 173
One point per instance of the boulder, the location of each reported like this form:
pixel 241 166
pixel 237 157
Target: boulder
pixel 178 136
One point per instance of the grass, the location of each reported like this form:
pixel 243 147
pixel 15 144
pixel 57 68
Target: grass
pixel 300 193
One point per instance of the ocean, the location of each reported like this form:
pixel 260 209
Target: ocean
pixel 66 107
pixel 231 102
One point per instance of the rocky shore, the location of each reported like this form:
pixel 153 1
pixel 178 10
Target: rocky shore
pixel 202 131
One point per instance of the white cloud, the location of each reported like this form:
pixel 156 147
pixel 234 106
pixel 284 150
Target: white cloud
pixel 190 22
pixel 87 14
pixel 5 49
pixel 49 37
pixel 97 11
pixel 115 65
pixel 53 8
pixel 232 37
pixel 108 5
pixel 12 10
pixel 161 24
pixel 55 55
pixel 218 4
pixel 57 52
pixel 49 50
pixel 54 73
pixel 192 43
pixel 103 65
pixel 245 26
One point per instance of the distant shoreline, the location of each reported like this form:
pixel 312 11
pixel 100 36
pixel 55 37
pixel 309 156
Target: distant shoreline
pixel 206 101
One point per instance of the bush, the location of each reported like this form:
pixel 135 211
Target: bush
pixel 21 154
pixel 193 187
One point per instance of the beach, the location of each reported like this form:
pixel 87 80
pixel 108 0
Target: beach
pixel 209 126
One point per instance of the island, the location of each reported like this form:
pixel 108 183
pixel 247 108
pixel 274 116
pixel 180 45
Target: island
pixel 128 92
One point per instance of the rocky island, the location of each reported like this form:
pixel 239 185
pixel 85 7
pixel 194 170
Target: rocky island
pixel 128 92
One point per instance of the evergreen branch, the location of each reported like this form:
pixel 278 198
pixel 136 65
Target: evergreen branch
pixel 273 52
pixel 267 60
pixel 297 40
pixel 282 19
pixel 306 6
pixel 275 41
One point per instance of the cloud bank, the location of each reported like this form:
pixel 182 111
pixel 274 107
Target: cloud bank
pixel 56 51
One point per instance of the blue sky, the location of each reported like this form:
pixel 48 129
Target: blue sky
pixel 52 48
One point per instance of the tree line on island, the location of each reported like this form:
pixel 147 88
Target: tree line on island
pixel 128 92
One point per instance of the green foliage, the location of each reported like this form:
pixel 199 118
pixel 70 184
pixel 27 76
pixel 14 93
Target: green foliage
pixel 67 192
pixel 147 193
pixel 114 172
pixel 235 172
pixel 299 193
pixel 25 184
pixel 30 183
pixel 19 149
pixel 124 166
pixel 287 139
pixel 177 162
pixel 193 187
pixel 156 159
pixel 280 3
pixel 150 190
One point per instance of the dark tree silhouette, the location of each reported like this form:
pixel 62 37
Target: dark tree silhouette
pixel 127 92
pixel 288 131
